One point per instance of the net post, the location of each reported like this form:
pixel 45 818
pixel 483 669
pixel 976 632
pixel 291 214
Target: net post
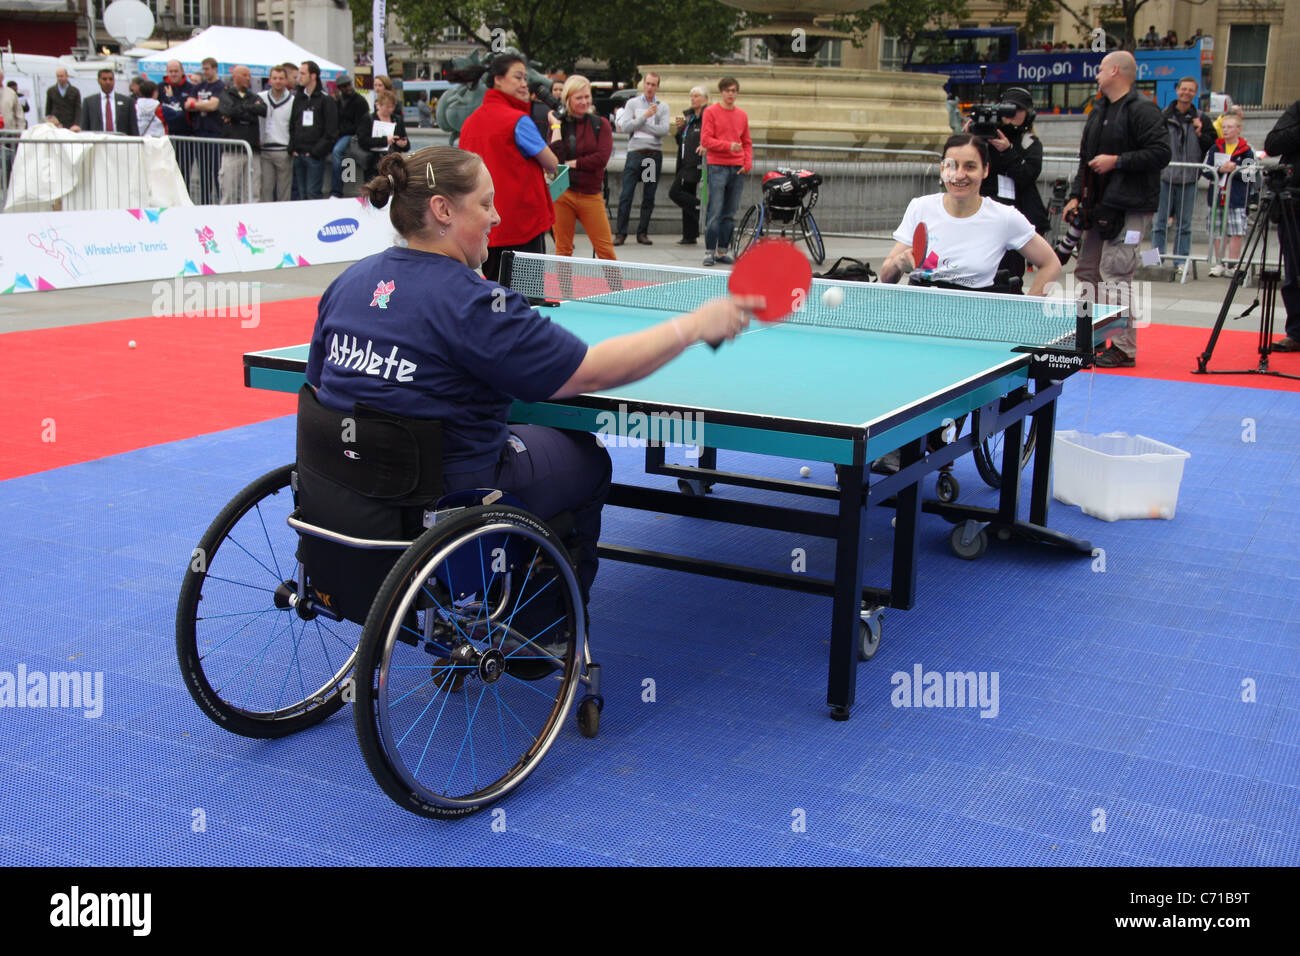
pixel 1083 329
pixel 507 267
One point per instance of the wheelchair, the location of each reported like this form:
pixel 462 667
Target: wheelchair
pixel 788 198
pixel 455 624
pixel 989 452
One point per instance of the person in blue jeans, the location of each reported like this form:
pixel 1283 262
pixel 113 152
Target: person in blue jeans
pixel 729 153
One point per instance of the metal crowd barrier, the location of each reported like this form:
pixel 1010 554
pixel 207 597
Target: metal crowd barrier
pixel 109 171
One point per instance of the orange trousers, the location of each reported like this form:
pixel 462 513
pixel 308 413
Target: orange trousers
pixel 588 209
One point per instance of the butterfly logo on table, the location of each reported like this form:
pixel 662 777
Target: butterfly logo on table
pixel 382 293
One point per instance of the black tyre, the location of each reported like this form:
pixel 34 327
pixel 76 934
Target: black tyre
pixel 469 661
pixel 750 228
pixel 589 717
pixel 253 663
pixel 869 631
pixel 947 487
pixel 812 237
pixel 988 453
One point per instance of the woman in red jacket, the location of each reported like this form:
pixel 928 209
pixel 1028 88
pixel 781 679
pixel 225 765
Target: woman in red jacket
pixel 583 142
pixel 502 132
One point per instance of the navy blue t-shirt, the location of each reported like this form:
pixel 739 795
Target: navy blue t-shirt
pixel 208 124
pixel 178 123
pixel 421 335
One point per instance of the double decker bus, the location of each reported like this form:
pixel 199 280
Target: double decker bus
pixel 1060 81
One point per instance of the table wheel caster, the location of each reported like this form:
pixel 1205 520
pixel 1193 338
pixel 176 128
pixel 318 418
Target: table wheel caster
pixel 869 633
pixel 694 486
pixel 969 540
pixel 589 715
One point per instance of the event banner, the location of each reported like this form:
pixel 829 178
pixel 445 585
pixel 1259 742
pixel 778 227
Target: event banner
pixel 63 250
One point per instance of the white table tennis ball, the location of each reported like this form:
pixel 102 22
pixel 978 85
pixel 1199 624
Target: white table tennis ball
pixel 833 297
pixel 131 344
pixel 805 471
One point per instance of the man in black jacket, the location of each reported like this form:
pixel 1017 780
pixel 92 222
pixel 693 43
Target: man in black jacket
pixel 1125 145
pixel 1015 160
pixel 63 100
pixel 313 130
pixel 353 111
pixel 1284 141
pixel 240 109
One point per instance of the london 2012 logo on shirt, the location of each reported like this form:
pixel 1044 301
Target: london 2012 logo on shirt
pixel 382 292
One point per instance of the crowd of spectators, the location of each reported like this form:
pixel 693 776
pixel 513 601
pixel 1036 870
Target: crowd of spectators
pixel 305 142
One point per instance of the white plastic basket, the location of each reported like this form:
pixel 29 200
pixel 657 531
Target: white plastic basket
pixel 1117 475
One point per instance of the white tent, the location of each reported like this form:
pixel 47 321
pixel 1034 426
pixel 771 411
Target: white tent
pixel 259 50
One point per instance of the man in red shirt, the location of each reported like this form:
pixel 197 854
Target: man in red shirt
pixel 502 131
pixel 730 155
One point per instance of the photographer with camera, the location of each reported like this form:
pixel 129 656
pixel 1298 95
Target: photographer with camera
pixel 1015 160
pixel 1124 147
pixel 1284 140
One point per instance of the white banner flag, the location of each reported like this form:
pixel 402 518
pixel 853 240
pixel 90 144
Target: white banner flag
pixel 379 60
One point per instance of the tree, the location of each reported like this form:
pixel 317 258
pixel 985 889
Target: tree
pixel 904 19
pixel 557 33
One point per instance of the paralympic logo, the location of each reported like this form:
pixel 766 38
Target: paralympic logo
pixel 337 230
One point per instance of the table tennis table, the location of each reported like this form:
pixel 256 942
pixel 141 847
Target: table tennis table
pixel 880 372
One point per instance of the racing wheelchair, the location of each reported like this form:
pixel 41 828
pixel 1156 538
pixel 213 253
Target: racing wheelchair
pixel 788 198
pixel 454 623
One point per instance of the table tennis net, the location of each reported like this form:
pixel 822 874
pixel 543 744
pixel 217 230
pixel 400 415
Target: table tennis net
pixel 871 307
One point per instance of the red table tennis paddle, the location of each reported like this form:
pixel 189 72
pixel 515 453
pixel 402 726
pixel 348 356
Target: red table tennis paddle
pixel 920 239
pixel 776 270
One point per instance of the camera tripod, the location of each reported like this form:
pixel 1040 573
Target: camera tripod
pixel 1277 205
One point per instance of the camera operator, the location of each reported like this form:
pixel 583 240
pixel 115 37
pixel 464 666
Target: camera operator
pixel 1015 160
pixel 1124 147
pixel 1284 140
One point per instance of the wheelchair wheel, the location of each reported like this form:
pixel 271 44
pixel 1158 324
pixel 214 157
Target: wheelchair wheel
pixel 750 228
pixel 469 661
pixel 812 237
pixel 988 453
pixel 254 663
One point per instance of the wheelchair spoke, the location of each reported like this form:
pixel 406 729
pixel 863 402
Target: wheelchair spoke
pixel 266 535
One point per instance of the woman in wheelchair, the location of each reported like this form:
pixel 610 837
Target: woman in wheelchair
pixel 967 234
pixel 417 332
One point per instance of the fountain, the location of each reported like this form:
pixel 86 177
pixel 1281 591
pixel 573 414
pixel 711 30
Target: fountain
pixel 795 102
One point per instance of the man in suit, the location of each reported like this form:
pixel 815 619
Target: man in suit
pixel 96 117
pixel 63 101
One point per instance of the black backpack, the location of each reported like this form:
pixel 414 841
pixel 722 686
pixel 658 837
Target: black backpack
pixel 850 270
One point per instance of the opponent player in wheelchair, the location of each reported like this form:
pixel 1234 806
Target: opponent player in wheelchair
pixel 419 541
pixel 967 234
pixel 967 237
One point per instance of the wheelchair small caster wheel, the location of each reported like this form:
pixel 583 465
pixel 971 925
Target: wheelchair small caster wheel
pixel 966 544
pixel 869 634
pixel 947 487
pixel 694 486
pixel 589 716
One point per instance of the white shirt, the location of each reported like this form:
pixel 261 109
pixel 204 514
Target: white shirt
pixel 275 124
pixel 965 251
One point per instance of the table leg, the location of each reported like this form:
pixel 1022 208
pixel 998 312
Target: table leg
pixel 850 564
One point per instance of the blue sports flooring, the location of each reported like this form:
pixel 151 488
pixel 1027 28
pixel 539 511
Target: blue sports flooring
pixel 1148 713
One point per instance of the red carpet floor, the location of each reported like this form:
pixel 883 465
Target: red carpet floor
pixel 81 393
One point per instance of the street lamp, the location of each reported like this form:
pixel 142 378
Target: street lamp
pixel 167 21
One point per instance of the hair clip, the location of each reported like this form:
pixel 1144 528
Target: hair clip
pixel 429 178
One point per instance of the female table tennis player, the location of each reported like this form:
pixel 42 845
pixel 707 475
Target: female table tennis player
pixel 967 235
